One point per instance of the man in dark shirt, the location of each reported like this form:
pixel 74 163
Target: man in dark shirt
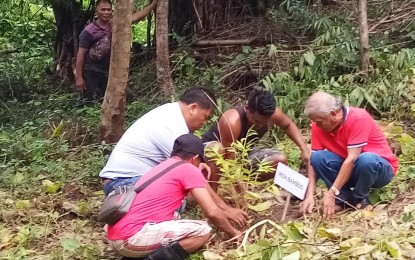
pixel 260 114
pixel 92 72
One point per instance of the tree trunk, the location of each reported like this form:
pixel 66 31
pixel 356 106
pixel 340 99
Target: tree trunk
pixel 364 36
pixel 113 106
pixel 164 80
pixel 70 19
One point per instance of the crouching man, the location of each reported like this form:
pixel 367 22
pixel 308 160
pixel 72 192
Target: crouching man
pixel 350 154
pixel 151 227
pixel 259 114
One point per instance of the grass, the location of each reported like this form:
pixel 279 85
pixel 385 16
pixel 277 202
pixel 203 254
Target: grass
pixel 50 195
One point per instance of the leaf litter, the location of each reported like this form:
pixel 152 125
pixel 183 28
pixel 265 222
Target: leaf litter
pixel 54 220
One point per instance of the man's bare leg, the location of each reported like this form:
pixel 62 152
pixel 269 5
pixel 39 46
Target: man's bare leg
pixel 192 244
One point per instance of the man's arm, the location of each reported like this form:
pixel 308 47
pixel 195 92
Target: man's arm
pixel 229 126
pixel 80 60
pixel 307 205
pixel 341 179
pixel 347 167
pixel 292 131
pixel 213 212
pixel 140 15
pixel 235 215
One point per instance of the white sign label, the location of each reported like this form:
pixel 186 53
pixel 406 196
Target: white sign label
pixel 291 180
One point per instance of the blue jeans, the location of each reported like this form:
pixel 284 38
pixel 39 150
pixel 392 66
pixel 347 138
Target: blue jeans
pixel 111 185
pixel 369 171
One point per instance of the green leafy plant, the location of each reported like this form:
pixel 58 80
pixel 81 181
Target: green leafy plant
pixel 27 32
pixel 404 179
pixel 238 175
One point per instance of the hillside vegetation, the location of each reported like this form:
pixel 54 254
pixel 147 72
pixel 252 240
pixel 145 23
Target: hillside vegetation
pixel 50 156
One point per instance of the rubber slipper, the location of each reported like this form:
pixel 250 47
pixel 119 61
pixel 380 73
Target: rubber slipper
pixel 364 204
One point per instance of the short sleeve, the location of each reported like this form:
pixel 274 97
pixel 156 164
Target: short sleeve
pixel 315 138
pixel 85 40
pixel 358 133
pixel 192 177
pixel 164 140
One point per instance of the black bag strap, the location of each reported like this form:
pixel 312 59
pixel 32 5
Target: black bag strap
pixel 148 182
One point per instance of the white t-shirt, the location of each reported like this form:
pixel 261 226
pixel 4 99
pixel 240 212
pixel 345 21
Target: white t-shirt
pixel 148 142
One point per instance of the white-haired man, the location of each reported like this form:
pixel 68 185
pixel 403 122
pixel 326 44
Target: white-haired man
pixel 349 153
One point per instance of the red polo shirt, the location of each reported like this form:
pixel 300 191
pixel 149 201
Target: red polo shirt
pixel 358 130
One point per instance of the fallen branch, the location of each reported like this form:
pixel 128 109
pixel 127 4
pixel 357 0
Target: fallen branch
pixel 9 51
pixel 248 231
pixel 222 42
pixel 197 15
pixel 389 19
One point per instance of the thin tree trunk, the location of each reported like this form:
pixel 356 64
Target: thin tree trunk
pixel 70 19
pixel 75 32
pixel 113 106
pixel 164 80
pixel 364 36
pixel 149 20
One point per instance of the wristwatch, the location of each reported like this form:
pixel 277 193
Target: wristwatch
pixel 335 190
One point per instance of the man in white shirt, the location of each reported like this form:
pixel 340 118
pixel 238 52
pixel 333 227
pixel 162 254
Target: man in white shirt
pixel 149 141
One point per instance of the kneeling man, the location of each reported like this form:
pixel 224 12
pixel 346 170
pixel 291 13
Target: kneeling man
pixel 151 228
pixel 349 153
pixel 259 114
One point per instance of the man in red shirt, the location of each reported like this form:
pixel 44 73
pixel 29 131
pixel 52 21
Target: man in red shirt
pixel 151 227
pixel 349 153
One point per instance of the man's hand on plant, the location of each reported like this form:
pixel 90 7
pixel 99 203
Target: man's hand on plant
pixel 307 205
pixel 329 204
pixel 236 216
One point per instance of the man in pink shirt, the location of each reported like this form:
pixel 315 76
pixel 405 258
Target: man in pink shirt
pixel 151 228
pixel 349 153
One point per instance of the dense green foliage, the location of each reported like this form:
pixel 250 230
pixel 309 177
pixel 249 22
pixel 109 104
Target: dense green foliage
pixel 27 32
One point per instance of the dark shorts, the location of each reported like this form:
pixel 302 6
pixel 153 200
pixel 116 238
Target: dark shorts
pixel 258 154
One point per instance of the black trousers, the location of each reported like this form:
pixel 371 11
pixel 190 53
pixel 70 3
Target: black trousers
pixel 95 85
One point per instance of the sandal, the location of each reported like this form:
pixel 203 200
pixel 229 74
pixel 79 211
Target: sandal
pixel 364 204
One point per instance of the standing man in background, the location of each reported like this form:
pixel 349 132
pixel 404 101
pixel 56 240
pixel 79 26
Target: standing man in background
pixel 93 58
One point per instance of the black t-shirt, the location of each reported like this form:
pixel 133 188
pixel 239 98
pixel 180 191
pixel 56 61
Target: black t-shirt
pixel 213 133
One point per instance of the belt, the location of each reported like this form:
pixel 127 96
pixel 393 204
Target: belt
pixel 105 180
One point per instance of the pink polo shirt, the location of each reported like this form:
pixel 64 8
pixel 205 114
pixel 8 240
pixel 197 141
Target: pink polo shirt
pixel 158 201
pixel 358 130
